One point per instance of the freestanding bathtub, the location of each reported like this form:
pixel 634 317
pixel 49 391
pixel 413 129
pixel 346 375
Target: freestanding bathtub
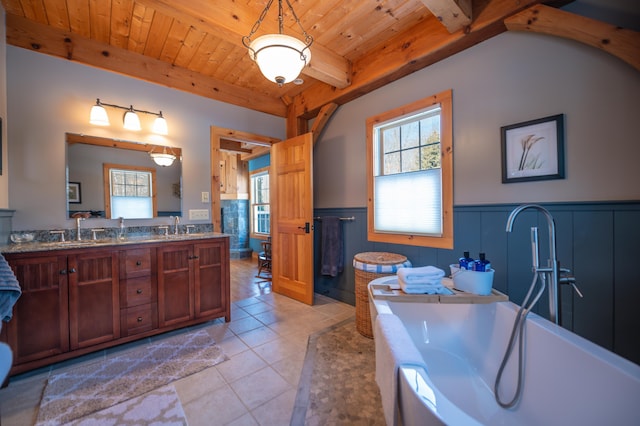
pixel 567 380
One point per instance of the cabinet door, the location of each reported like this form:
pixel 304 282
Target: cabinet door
pixel 94 298
pixel 175 284
pixel 210 265
pixel 40 324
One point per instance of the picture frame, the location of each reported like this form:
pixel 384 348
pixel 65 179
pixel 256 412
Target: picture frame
pixel 74 194
pixel 533 150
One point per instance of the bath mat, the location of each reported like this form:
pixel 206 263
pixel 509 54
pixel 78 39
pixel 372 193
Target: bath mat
pixel 160 407
pixel 337 384
pixel 89 388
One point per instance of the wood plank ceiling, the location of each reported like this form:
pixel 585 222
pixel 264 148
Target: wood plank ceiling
pixel 196 45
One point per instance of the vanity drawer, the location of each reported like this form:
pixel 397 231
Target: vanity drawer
pixel 139 319
pixel 135 263
pixel 136 291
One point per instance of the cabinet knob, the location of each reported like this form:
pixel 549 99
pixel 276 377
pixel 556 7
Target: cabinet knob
pixel 63 272
pixel 139 291
pixel 72 270
pixel 138 263
pixel 139 319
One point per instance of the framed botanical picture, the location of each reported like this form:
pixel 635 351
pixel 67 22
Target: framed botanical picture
pixel 533 150
pixel 73 193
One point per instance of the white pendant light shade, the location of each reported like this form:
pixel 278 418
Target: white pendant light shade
pixel 280 57
pixel 99 115
pixel 160 125
pixel 131 120
pixel 163 158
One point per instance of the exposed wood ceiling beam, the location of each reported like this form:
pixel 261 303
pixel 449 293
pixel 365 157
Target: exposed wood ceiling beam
pixel 24 33
pixel 235 146
pixel 322 119
pixel 454 14
pixel 232 20
pixel 423 45
pixel 619 42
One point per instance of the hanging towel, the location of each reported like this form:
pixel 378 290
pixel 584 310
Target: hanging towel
pixel 394 348
pixel 332 258
pixel 9 290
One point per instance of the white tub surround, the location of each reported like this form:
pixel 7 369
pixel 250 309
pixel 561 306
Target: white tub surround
pixel 567 379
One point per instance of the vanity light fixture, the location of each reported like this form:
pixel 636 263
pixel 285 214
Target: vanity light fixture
pixel 280 57
pixel 131 121
pixel 163 158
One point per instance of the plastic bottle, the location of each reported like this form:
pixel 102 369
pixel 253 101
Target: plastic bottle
pixel 465 262
pixel 482 264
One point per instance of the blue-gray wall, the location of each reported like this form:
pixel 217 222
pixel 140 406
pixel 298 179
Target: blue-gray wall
pixel 511 78
pixel 597 241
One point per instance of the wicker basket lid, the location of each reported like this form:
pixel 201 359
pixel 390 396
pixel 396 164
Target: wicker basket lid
pixel 380 258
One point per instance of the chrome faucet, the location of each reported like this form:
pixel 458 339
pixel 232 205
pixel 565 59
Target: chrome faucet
pixel 78 228
pixel 552 269
pixel 176 222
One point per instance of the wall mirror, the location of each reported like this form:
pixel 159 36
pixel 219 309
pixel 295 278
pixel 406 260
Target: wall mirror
pixel 109 178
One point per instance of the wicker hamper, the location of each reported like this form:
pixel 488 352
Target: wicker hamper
pixel 367 267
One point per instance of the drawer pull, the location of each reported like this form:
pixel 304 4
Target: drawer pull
pixel 139 291
pixel 139 319
pixel 138 263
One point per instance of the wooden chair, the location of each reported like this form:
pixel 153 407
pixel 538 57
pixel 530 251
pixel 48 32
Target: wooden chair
pixel 264 261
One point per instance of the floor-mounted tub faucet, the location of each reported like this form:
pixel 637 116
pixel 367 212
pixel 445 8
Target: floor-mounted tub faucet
pixel 552 269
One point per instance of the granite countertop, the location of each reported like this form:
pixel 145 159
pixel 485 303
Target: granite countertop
pixel 128 240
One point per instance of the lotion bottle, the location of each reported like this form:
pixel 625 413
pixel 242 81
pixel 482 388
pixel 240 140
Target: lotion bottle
pixel 482 264
pixel 465 262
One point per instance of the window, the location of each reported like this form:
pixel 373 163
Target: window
pixel 129 191
pixel 260 216
pixel 410 174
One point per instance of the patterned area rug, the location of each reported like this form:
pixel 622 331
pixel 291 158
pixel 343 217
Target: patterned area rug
pixel 160 407
pixel 338 384
pixel 80 391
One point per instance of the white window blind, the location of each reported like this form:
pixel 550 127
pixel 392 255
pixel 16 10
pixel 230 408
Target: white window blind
pixel 409 203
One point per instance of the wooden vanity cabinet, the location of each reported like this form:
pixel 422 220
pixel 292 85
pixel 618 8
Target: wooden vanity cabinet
pixel 40 324
pixel 79 300
pixel 193 281
pixel 94 299
pixel 211 275
pixel 138 291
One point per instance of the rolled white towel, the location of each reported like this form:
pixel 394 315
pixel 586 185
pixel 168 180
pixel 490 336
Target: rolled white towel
pixel 422 273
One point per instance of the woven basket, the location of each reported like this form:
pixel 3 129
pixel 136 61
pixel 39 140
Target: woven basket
pixel 368 266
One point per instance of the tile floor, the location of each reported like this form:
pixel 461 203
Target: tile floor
pixel 266 344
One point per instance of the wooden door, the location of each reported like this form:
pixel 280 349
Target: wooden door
pixel 292 218
pixel 40 324
pixel 175 284
pixel 94 298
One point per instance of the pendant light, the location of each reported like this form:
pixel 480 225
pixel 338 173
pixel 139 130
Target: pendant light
pixel 280 57
pixel 164 158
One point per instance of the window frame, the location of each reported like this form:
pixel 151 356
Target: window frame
pixel 444 100
pixel 252 204
pixel 106 183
